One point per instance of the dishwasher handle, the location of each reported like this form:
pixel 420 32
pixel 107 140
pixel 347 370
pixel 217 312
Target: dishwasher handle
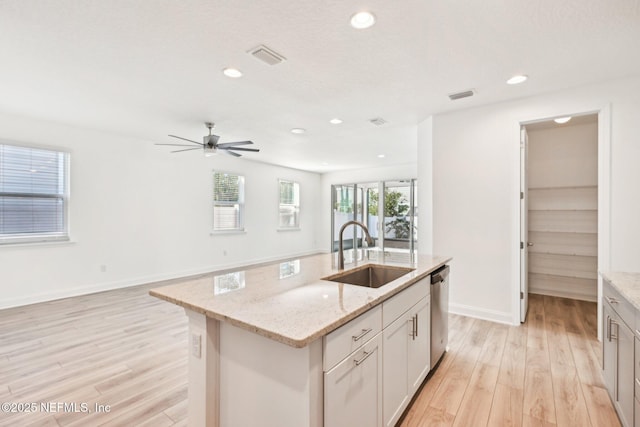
pixel 440 275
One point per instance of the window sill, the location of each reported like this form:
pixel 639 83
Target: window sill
pixel 223 232
pixel 288 229
pixel 39 243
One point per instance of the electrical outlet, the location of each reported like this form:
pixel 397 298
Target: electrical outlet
pixel 196 345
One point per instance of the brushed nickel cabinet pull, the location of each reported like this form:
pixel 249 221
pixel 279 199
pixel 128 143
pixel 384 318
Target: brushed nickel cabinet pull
pixel 364 332
pixel 363 358
pixel 413 328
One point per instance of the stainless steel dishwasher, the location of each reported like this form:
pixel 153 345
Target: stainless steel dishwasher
pixel 439 313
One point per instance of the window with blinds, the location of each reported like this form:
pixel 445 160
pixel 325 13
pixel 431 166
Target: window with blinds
pixel 289 207
pixel 33 194
pixel 228 202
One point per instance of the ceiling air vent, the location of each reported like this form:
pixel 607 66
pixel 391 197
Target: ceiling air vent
pixel 378 121
pixel 460 95
pixel 267 55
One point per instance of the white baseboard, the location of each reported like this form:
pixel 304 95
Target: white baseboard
pixel 143 280
pixel 481 313
pixel 565 294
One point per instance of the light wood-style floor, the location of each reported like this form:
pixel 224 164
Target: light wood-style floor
pixel 546 372
pixel 128 350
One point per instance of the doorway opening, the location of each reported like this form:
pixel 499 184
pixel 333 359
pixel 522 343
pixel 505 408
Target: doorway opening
pixel 389 210
pixel 559 209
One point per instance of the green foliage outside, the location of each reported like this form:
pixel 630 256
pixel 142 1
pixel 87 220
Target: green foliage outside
pixel 396 206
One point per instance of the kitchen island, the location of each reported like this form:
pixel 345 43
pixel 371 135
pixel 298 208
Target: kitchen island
pixel 621 343
pixel 257 353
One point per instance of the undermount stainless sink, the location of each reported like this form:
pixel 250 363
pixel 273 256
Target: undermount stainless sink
pixel 370 275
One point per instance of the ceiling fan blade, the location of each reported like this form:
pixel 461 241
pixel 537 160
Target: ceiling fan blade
pixel 232 153
pixel 178 145
pixel 255 150
pixel 231 144
pixel 185 139
pixel 187 149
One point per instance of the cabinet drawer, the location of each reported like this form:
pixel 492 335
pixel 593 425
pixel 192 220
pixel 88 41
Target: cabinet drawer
pixel 351 336
pixel 619 304
pixel 395 306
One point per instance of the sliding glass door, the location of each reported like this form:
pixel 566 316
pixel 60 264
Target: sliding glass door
pixel 387 208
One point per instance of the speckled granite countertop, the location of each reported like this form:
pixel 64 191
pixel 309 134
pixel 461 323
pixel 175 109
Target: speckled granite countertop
pixel 628 284
pixel 287 301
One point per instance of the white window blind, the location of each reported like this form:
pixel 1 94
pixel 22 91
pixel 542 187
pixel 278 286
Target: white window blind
pixel 228 201
pixel 289 208
pixel 33 194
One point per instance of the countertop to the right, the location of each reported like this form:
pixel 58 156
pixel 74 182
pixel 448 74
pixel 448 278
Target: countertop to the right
pixel 628 284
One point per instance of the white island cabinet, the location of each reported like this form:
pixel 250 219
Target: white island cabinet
pixel 406 348
pixel 620 346
pixel 353 372
pixel 268 349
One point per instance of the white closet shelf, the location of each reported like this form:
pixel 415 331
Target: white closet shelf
pixel 563 210
pixel 531 251
pixel 570 187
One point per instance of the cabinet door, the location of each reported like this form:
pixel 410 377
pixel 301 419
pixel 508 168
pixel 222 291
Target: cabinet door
pixel 395 344
pixel 609 348
pixel 625 381
pixel 353 388
pixel 420 345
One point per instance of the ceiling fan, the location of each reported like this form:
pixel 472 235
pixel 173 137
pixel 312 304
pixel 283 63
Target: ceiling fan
pixel 210 144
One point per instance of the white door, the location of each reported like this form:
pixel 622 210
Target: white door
pixel 524 226
pixel 395 344
pixel 419 346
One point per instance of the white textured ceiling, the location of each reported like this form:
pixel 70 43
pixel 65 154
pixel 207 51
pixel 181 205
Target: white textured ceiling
pixel 147 68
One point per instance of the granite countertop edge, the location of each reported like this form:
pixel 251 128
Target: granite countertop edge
pixel 627 283
pixel 303 341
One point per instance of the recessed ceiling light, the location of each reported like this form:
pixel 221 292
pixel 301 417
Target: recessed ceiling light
pixel 517 79
pixel 335 121
pixel 234 73
pixel 381 156
pixel 298 130
pixel 561 120
pixel 362 20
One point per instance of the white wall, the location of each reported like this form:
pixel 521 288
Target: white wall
pixel 563 156
pixel 383 173
pixel 475 170
pixel 146 215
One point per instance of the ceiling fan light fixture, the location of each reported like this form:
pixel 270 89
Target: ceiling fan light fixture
pixel 210 144
pixel 234 73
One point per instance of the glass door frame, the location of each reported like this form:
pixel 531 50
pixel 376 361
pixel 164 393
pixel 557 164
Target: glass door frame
pixel 361 196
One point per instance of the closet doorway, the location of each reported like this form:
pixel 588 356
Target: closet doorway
pixel 561 196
